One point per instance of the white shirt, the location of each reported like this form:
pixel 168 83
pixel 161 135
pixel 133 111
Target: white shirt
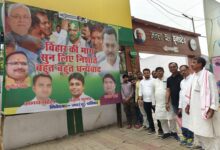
pixel 34 106
pixel 160 100
pixel 82 101
pixel 61 37
pixel 100 57
pixel 146 90
pixel 106 67
pixel 184 85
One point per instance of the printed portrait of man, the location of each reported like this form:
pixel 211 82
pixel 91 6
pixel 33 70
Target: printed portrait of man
pixel 17 71
pixel 44 24
pixel 74 33
pixel 79 99
pixel 110 48
pixel 110 95
pixel 139 36
pixel 18 24
pixel 85 40
pixel 96 37
pixel 19 19
pixel 42 88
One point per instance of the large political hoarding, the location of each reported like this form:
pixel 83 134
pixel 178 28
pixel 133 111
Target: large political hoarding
pixel 57 61
pixel 115 12
pixel 216 70
pixel 212 21
pixel 1 57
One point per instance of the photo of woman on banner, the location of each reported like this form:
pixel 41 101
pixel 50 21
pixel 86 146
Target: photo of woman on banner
pixel 110 48
pixel 18 23
pixel 17 71
pixel 42 87
pixel 79 98
pixel 110 96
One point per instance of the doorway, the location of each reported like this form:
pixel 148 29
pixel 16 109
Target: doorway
pixel 152 61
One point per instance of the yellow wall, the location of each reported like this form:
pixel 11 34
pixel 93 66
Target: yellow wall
pixel 116 12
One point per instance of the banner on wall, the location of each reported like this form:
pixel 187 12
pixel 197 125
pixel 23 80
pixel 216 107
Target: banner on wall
pixel 212 12
pixel 57 61
pixel 216 70
pixel 98 10
pixel 1 57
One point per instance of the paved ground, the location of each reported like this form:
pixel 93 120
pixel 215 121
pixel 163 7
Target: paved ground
pixel 110 138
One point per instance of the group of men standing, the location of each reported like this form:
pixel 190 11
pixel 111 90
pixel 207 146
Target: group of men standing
pixel 189 100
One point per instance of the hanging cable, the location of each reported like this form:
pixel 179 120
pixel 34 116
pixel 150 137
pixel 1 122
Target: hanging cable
pixel 181 12
pixel 180 16
pixel 167 10
pixel 193 6
pixel 167 16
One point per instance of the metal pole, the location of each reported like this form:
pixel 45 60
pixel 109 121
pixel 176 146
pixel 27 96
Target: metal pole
pixel 191 20
pixel 193 25
pixel 1 132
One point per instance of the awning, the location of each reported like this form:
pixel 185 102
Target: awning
pixel 126 37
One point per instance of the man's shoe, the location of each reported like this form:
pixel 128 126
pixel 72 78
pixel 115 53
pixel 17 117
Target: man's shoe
pixel 151 131
pixel 183 141
pixel 174 134
pixel 189 143
pixel 165 136
pixel 129 126
pixel 196 147
pixel 137 126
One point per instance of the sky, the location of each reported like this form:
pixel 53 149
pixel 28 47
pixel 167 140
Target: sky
pixel 169 12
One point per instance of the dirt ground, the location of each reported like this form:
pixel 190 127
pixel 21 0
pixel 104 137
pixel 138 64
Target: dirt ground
pixel 110 138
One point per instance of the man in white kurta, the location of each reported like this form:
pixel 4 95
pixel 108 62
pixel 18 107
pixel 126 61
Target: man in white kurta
pixel 205 127
pixel 160 100
pixel 82 101
pixel 184 84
